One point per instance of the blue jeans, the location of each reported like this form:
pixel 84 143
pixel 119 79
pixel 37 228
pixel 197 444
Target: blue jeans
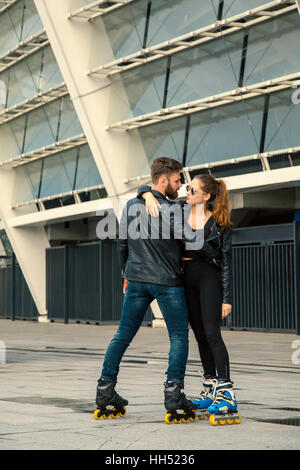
pixel 173 306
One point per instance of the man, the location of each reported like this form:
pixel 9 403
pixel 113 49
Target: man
pixel 151 263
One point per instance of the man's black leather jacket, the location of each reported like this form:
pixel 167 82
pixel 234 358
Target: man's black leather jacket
pixel 154 259
pixel 217 249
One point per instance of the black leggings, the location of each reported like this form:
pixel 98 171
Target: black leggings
pixel 204 296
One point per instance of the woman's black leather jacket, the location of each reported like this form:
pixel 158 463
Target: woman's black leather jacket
pixel 217 249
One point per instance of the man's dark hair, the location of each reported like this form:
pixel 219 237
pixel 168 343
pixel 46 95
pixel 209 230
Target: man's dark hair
pixel 164 166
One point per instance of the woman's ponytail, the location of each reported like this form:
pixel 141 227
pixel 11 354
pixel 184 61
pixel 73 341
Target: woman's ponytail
pixel 221 210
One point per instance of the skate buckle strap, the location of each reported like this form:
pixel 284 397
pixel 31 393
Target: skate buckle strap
pixel 222 396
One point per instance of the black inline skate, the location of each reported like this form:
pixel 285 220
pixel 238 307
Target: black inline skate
pixel 107 396
pixel 176 400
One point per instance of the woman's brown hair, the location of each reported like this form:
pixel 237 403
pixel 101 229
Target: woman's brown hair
pixel 218 197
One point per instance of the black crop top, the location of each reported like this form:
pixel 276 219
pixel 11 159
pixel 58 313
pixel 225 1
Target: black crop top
pixel 207 228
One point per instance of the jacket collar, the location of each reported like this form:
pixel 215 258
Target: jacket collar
pixel 159 194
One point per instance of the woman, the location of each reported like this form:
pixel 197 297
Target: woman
pixel 207 280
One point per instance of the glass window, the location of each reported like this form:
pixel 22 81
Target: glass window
pixel 33 172
pixel 273 49
pixel 17 127
pixel 171 19
pixel 50 75
pixel 31 22
pixel 125 28
pixel 59 173
pixel 69 125
pixel 226 132
pixel 87 174
pixel 17 24
pixel 23 82
pixel 235 7
pixel 165 139
pixel 144 88
pixel 38 73
pixel 41 129
pixel 283 122
pixel 205 70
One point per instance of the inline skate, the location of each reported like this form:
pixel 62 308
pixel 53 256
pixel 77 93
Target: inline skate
pixel 176 400
pixel 206 398
pixel 224 408
pixel 107 396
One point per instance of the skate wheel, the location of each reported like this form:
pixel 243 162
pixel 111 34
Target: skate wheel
pixel 122 413
pixel 177 420
pixel 192 418
pixel 201 417
pixel 185 420
pixel 97 414
pixel 106 416
pixel 229 419
pixel 168 418
pixel 238 419
pixel 222 422
pixel 212 420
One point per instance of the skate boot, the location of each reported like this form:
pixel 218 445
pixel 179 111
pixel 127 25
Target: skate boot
pixel 176 400
pixel 107 396
pixel 224 408
pixel 206 398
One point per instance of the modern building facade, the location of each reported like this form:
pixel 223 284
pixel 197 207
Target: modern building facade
pixel 92 92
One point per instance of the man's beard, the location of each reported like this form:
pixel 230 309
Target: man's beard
pixel 170 193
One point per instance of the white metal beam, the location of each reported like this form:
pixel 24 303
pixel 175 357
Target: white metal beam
pixel 214 101
pixel 61 214
pixel 23 50
pixel 98 8
pixel 230 161
pixel 40 99
pixel 74 193
pixel 208 33
pixel 44 152
pixel 5 4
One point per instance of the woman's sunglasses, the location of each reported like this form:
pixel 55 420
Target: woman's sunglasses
pixel 193 191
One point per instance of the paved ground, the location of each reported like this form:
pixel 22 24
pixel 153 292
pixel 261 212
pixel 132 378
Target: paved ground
pixel 48 388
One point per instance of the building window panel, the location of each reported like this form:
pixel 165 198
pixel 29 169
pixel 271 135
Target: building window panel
pixel 50 75
pixel 58 173
pixel 24 80
pixel 206 70
pixel 69 125
pixel 10 27
pixel 87 174
pixel 33 174
pixel 273 50
pixel 144 89
pixel 31 22
pixel 41 127
pixel 165 139
pixel 283 122
pixel 234 7
pixel 223 133
pixel 126 28
pixel 170 19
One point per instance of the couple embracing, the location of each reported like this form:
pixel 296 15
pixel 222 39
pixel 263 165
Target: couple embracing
pixel 181 258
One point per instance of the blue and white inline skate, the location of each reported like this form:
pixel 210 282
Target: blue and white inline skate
pixel 224 410
pixel 206 398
